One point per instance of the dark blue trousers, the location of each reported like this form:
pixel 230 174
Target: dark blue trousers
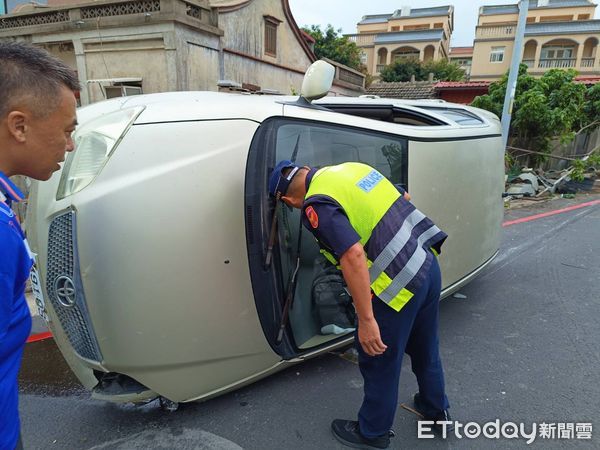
pixel 414 330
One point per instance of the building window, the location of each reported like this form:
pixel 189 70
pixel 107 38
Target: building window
pixel 583 17
pixel 557 56
pixel 406 54
pixel 558 52
pixel 363 58
pixel 416 27
pixel 395 28
pixel 497 54
pixel 556 19
pixel 271 25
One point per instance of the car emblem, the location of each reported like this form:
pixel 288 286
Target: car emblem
pixel 65 291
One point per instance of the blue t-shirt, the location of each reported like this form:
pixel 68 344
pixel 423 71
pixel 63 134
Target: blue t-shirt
pixel 15 319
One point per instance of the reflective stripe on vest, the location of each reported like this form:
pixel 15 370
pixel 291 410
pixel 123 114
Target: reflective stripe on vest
pixel 411 268
pixel 350 185
pixel 394 247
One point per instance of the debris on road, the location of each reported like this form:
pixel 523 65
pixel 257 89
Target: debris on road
pixel 537 184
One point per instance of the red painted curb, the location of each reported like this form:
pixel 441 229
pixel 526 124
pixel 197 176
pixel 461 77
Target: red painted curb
pixel 39 337
pixel 550 213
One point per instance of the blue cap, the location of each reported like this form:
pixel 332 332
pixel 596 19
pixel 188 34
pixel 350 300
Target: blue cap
pixel 279 183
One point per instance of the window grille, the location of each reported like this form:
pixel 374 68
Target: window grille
pixel 270 37
pixel 497 54
pixel 120 9
pixel 193 11
pixel 33 20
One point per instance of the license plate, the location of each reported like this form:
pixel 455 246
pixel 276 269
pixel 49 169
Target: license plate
pixel 36 287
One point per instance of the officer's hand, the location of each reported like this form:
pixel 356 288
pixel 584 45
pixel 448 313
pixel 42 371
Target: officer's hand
pixel 407 196
pixel 370 338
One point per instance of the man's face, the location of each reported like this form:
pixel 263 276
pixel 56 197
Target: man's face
pixel 47 139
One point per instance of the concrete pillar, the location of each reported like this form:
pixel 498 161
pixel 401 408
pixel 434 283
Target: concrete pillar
pixel 374 62
pixel 388 58
pixel 538 53
pixel 176 52
pixel 84 94
pixel 579 55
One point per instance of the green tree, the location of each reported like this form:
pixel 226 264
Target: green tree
pixel 404 69
pixel 333 45
pixel 591 109
pixel 444 70
pixel 494 100
pixel 553 106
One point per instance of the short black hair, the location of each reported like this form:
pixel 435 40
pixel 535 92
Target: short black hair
pixel 31 73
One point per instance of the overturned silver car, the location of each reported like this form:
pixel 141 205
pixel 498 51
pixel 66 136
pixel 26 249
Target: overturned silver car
pixel 151 241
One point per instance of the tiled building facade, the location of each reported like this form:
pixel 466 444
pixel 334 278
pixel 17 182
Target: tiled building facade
pixel 559 34
pixel 422 33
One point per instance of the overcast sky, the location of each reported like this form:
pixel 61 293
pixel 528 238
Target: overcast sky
pixel 345 14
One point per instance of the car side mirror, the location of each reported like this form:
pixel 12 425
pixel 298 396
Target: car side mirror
pixel 317 80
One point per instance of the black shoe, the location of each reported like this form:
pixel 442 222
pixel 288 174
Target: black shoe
pixel 443 416
pixel 348 433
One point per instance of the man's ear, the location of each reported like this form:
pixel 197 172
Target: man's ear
pixel 290 201
pixel 17 125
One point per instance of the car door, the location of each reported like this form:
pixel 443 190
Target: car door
pixel 315 144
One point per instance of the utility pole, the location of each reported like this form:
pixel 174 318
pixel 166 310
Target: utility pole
pixel 511 87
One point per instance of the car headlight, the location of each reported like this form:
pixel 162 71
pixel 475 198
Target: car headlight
pixel 94 143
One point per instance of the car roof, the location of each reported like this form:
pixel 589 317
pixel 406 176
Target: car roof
pixel 376 100
pixel 426 106
pixel 189 106
pixel 202 105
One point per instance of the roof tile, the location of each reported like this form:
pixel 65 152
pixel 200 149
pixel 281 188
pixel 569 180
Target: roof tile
pixel 404 90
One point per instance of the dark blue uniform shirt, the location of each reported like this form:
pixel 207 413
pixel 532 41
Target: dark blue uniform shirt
pixel 15 319
pixel 328 222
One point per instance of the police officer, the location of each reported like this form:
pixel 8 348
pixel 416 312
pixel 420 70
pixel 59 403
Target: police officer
pixel 37 117
pixel 387 251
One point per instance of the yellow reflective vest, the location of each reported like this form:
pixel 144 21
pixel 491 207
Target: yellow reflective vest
pixel 394 234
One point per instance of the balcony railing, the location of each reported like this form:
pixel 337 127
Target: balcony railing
pixel 112 12
pixel 587 62
pixel 362 39
pixel 380 67
pixel 496 31
pixel 556 63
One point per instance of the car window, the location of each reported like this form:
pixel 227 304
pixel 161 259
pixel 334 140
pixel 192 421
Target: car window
pixel 460 116
pixel 318 145
pixel 315 144
pixel 387 113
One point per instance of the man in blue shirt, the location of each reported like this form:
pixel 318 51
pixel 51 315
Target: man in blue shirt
pixel 37 117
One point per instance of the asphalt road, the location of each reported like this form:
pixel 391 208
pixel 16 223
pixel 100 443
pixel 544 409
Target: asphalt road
pixel 522 347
